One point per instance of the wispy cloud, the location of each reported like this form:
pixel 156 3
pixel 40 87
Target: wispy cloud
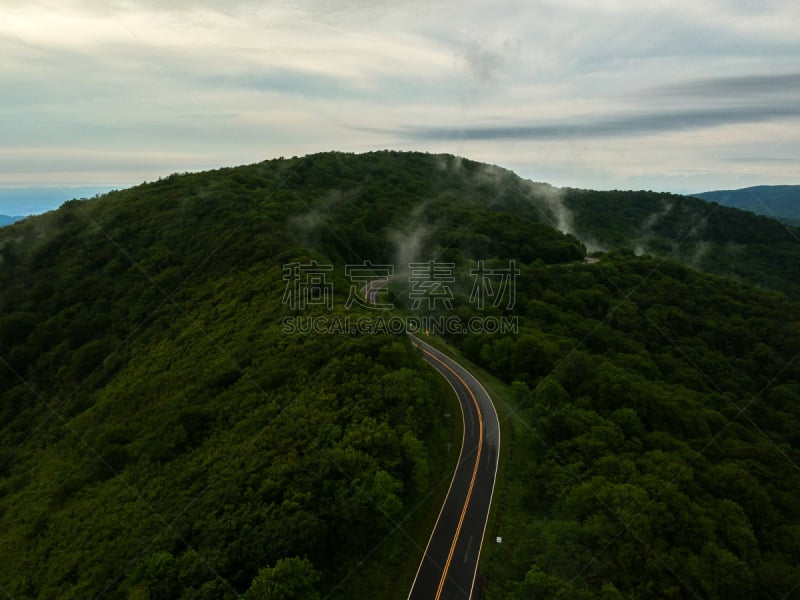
pixel 582 127
pixel 576 92
pixel 732 88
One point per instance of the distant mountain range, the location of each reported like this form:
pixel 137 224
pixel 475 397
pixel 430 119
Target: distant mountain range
pixel 35 200
pixel 7 220
pixel 777 201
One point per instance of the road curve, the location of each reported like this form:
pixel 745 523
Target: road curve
pixel 450 564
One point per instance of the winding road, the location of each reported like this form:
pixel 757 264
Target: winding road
pixel 449 567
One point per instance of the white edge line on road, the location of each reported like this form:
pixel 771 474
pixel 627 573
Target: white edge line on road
pixel 433 350
pixel 494 482
pixel 419 342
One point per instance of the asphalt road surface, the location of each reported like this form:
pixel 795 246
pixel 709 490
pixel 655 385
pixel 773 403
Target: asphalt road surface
pixel 449 567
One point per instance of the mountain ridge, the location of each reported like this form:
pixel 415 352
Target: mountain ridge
pixel 780 202
pixel 145 377
pixel 8 219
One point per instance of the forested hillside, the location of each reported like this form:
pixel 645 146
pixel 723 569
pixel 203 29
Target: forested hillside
pixel 162 436
pixel 706 236
pixel 655 424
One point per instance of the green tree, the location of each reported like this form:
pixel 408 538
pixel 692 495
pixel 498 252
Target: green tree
pixel 289 579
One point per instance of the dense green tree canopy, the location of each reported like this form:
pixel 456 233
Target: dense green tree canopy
pixel 162 436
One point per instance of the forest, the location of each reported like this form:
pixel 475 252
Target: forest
pixel 162 437
pixel 655 435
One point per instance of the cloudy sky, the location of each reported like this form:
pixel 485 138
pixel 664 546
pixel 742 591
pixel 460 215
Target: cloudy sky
pixel 675 95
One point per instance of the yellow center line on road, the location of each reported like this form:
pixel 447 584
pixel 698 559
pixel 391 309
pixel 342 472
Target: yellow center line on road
pixel 474 472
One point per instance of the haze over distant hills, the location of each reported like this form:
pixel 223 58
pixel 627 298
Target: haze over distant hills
pixel 777 201
pixel 7 220
pixel 35 200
